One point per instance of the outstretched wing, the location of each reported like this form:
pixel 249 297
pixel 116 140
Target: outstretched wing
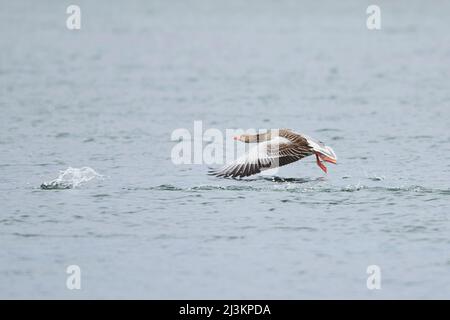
pixel 276 152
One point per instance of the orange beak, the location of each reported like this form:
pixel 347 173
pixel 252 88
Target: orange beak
pixel 236 137
pixel 327 159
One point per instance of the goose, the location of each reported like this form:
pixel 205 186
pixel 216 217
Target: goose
pixel 275 148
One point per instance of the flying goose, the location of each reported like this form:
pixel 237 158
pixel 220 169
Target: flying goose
pixel 275 148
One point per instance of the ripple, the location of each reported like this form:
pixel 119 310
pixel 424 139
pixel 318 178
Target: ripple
pixel 290 180
pixel 167 187
pixel 328 130
pixel 298 186
pixel 295 228
pixel 377 178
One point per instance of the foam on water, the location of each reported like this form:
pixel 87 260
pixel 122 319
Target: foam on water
pixel 71 178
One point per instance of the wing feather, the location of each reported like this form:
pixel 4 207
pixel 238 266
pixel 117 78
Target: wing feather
pixel 281 150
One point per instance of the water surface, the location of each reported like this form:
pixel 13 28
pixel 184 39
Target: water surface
pixel 109 96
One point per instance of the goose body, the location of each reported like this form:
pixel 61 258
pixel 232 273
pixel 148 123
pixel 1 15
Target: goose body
pixel 275 148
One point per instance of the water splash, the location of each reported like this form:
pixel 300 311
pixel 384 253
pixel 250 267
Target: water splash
pixel 71 178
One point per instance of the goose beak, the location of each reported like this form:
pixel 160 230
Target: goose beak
pixel 236 137
pixel 328 159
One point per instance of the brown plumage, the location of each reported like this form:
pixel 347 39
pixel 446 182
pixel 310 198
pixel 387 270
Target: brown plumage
pixel 275 148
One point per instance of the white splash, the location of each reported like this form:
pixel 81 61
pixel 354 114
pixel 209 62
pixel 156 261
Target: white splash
pixel 71 178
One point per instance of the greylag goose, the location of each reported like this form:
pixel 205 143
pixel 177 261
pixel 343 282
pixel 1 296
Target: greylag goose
pixel 275 148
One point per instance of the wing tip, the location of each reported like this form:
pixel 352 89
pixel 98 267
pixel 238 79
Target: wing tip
pixel 226 175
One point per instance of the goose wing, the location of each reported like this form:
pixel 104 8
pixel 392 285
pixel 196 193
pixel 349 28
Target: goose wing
pixel 276 152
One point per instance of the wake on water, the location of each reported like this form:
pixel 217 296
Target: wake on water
pixel 74 177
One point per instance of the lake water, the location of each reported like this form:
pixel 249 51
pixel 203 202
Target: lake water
pixel 108 97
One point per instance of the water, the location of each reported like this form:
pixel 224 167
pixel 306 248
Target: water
pixel 109 96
